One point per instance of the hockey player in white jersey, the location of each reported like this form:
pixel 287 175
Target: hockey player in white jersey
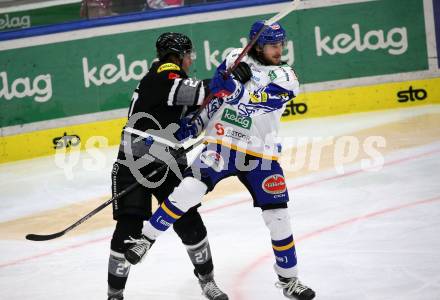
pixel 241 126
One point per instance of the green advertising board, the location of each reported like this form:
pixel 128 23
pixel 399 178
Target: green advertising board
pixel 40 16
pixel 365 39
pixel 99 74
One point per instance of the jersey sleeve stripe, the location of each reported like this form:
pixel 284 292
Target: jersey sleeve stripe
pixel 172 95
pixel 200 95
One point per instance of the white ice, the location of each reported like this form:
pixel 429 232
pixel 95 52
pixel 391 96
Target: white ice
pixel 359 235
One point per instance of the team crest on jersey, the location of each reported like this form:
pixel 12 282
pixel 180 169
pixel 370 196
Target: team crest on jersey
pixel 168 67
pixel 213 159
pixel 258 97
pixel 274 184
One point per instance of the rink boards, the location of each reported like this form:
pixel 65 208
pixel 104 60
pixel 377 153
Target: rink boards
pixel 76 94
pixel 307 105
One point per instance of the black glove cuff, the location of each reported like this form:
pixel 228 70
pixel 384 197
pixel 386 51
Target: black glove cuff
pixel 242 73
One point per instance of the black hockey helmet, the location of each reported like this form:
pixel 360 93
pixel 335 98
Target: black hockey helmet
pixel 173 42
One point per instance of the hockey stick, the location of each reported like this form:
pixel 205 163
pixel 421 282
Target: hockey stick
pixel 289 8
pixel 42 237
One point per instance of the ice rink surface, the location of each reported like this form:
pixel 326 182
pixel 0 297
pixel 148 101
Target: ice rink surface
pixel 360 233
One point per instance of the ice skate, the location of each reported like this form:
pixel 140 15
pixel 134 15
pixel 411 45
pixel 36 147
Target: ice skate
pixel 210 288
pixel 294 289
pixel 114 294
pixel 138 250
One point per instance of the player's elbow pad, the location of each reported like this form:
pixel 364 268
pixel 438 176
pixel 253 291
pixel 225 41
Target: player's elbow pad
pixel 186 92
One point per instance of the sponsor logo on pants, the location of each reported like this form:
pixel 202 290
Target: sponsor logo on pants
pixel 274 184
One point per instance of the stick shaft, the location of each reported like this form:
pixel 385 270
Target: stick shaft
pixel 292 6
pixel 42 237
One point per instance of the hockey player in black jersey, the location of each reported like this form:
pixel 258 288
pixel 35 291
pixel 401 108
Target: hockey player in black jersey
pixel 162 97
pixel 241 128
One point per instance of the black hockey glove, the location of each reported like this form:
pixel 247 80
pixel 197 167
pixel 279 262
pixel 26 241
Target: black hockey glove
pixel 242 73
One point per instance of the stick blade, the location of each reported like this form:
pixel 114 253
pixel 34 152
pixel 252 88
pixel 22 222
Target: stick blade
pixel 42 237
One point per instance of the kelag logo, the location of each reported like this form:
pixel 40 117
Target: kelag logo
pixel 358 44
pixel 411 95
pixel 66 141
pixel 40 87
pixel 14 22
pixel 111 73
pixel 233 118
pixel 295 108
pixel 395 41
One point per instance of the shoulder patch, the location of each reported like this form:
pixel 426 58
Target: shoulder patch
pixel 172 76
pixel 287 73
pixel 168 67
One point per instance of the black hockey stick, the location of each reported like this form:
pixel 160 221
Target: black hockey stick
pixel 46 237
pixel 291 6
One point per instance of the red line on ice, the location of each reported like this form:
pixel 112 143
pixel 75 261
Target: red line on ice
pixel 90 242
pixel 241 277
pixel 55 251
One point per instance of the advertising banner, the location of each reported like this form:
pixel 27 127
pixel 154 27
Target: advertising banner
pixel 99 74
pixel 409 94
pixel 364 39
pixel 41 16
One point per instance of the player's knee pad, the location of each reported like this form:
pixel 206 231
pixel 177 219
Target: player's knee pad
pixel 126 226
pixel 190 227
pixel 189 193
pixel 278 222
